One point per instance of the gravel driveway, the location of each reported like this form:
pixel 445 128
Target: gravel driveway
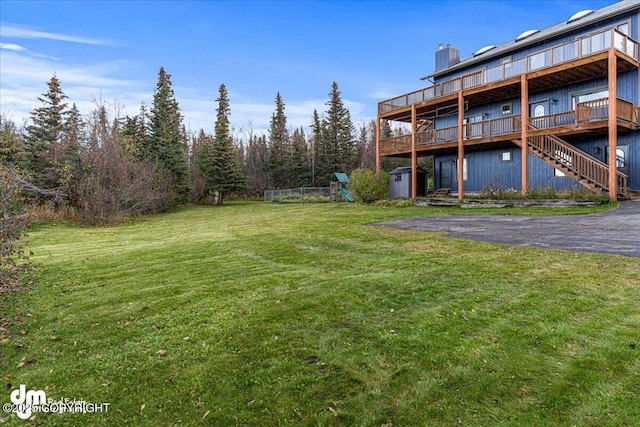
pixel 614 232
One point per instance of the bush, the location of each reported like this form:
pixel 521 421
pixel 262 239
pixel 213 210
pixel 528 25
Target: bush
pixel 114 187
pixel 368 186
pixel 544 193
pixel 500 193
pixel 13 219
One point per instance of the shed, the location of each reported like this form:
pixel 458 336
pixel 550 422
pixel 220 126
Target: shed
pixel 400 182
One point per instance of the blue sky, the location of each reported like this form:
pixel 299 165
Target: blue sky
pixel 112 50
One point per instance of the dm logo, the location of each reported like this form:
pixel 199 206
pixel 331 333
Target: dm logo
pixel 25 400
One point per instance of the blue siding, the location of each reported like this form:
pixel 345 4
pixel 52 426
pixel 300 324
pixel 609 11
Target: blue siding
pixel 486 168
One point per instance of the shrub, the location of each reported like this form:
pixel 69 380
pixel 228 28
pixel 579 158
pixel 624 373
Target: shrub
pixel 500 193
pixel 544 193
pixel 115 187
pixel 13 219
pixel 368 186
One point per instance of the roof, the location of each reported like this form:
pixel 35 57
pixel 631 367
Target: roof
pixel 520 42
pixel 340 177
pixel 406 169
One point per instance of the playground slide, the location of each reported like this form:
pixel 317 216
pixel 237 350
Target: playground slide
pixel 347 195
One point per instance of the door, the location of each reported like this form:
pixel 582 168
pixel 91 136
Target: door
pixel 445 174
pixel 622 163
pixel 537 112
pixel 472 127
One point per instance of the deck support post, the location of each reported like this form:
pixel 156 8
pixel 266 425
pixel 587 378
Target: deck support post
pixel 613 121
pixel 414 157
pixel 524 117
pixel 460 145
pixel 378 143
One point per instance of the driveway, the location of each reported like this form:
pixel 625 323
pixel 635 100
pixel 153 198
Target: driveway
pixel 614 232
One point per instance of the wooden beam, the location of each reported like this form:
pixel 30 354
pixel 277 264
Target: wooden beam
pixel 613 121
pixel 414 157
pixel 378 127
pixel 460 146
pixel 524 116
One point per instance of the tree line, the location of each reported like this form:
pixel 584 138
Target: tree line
pixel 100 165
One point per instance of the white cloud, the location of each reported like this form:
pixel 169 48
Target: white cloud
pixel 13 31
pixel 24 76
pixel 11 46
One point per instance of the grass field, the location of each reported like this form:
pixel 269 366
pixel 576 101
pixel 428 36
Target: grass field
pixel 256 314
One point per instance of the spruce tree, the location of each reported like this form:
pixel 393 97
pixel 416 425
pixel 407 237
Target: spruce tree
pixel 10 143
pixel 335 147
pixel 318 150
pixel 44 137
pixel 279 146
pixel 300 169
pixel 339 135
pixel 166 141
pixel 70 165
pixel 135 134
pixel 216 158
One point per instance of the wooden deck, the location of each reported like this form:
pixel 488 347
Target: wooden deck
pixel 579 60
pixel 586 117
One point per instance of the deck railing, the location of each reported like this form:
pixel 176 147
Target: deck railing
pixel 589 111
pixel 576 49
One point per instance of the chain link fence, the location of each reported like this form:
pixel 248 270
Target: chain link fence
pixel 300 195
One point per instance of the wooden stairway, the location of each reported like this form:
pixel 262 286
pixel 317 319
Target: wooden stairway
pixel 575 163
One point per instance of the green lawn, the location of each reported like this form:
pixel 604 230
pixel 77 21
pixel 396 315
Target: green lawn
pixel 256 314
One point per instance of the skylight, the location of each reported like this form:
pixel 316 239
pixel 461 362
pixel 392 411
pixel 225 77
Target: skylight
pixel 484 49
pixel 580 15
pixel 526 34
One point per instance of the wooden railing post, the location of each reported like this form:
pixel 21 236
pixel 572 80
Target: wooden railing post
pixel 378 144
pixel 524 102
pixel 414 158
pixel 613 121
pixel 460 146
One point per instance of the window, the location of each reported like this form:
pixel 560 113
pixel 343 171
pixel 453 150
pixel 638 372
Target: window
pixel 506 156
pixel 621 161
pixel 557 173
pixel 506 109
pixel 621 156
pixel 624 28
pixel 473 127
pixel 539 60
pixel 621 42
pixel 566 160
pixel 398 177
pixel 464 169
pixel 590 96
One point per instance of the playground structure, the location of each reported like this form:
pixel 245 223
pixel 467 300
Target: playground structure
pixel 338 184
pixel 336 192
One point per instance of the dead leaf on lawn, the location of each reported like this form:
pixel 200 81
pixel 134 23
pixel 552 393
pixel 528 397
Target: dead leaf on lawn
pixel 161 352
pixel 24 363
